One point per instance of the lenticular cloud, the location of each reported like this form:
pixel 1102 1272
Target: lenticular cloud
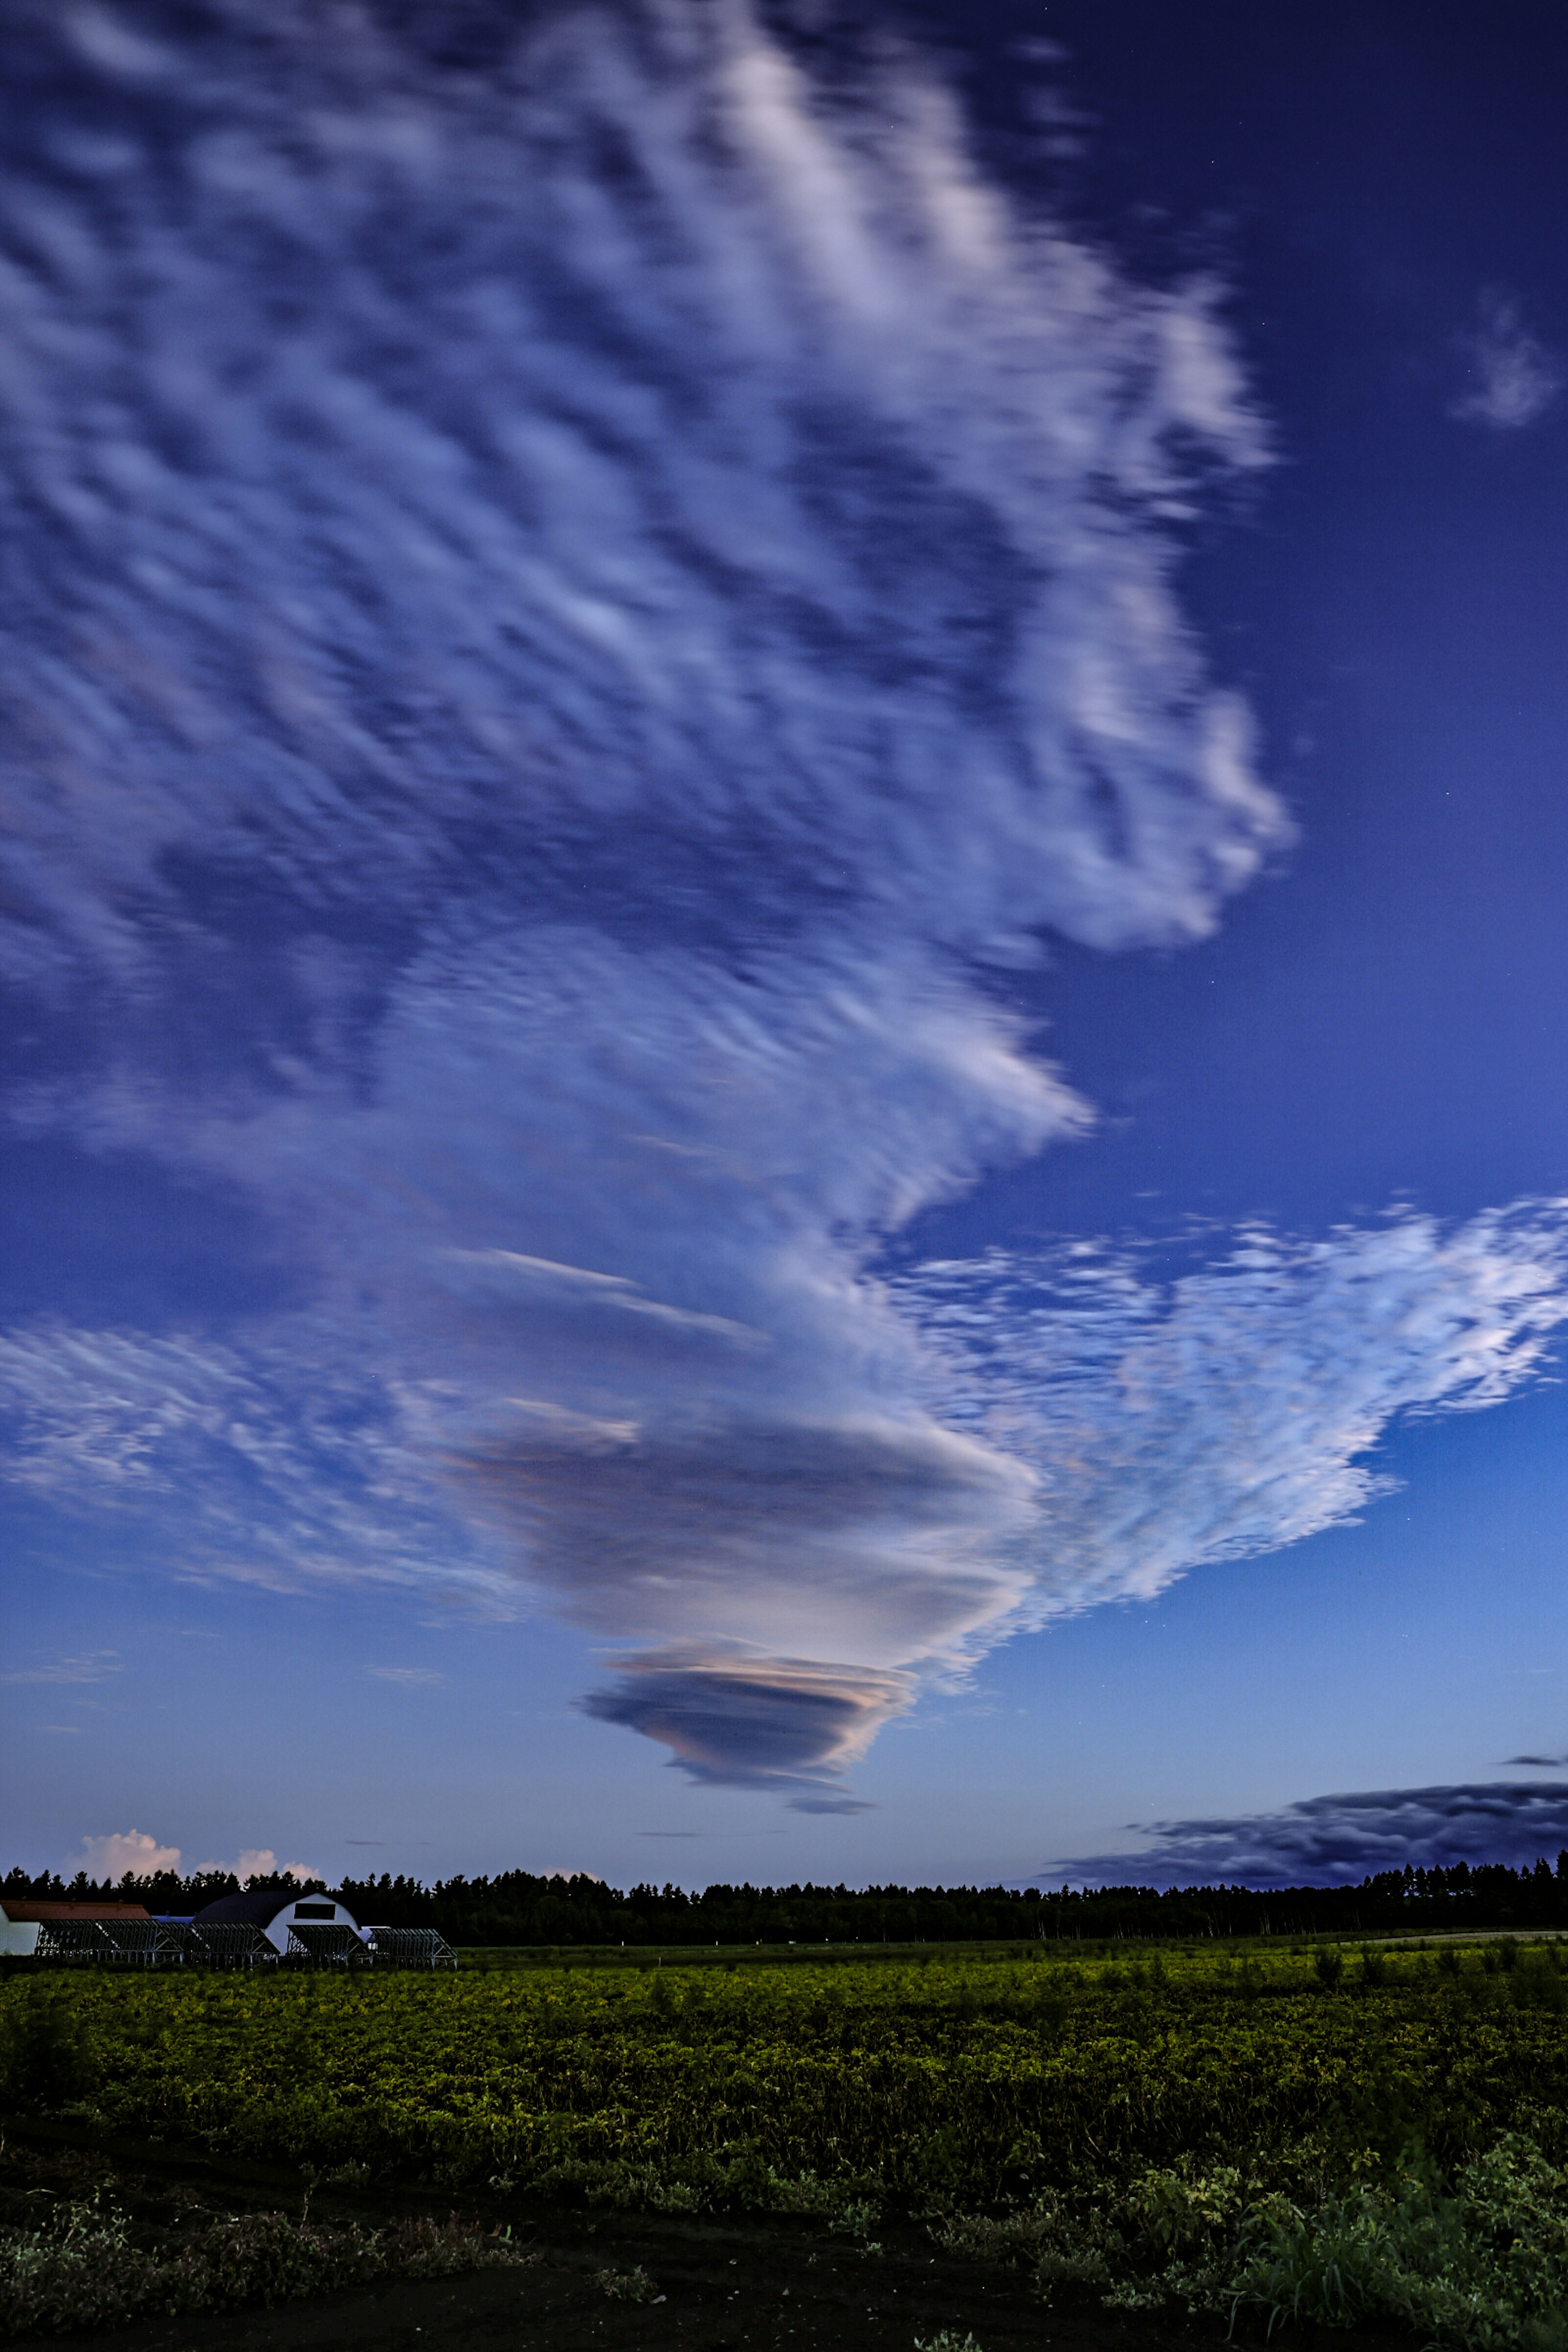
pixel 571 616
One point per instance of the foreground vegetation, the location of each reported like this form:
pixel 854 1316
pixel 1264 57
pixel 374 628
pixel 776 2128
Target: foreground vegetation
pixel 81 2267
pixel 1291 2131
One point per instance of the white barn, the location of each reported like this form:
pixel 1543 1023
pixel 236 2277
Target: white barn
pixel 274 1910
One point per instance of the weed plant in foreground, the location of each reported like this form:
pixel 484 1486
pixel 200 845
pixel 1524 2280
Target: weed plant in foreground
pixel 81 2267
pixel 1269 2133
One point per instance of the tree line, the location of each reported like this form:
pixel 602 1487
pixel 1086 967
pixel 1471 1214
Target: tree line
pixel 518 1907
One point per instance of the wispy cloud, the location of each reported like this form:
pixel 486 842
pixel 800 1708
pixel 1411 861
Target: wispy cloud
pixel 534 739
pixel 1340 1840
pixel 1512 377
pixel 76 1667
pixel 1233 1409
pixel 287 1459
pixel 406 1677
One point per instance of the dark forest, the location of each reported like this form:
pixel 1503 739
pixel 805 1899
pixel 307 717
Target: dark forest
pixel 518 1908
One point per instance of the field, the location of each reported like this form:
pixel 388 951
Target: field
pixel 1149 2124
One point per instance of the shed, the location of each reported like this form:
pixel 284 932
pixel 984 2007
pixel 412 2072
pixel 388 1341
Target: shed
pixel 21 1919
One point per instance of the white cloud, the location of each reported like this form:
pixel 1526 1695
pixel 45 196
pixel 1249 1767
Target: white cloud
pixel 406 1677
pixel 1232 1411
pixel 261 1862
pixel 1513 378
pixel 121 1851
pixel 134 1852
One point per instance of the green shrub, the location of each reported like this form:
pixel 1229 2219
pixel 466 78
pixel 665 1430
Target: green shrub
pixel 1484 2267
pixel 931 2090
pixel 47 2055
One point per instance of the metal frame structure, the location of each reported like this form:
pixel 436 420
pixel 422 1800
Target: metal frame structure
pixel 326 1945
pixel 152 1944
pixel 411 1948
pixel 212 1944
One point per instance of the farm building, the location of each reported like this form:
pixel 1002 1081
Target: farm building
pixel 271 1927
pixel 22 1921
pixel 276 1912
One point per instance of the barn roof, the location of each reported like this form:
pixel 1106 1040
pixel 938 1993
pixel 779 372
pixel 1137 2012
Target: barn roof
pixel 261 1908
pixel 17 1908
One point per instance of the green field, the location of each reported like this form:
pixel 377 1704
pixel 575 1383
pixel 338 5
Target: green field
pixel 971 2081
pixel 1213 2094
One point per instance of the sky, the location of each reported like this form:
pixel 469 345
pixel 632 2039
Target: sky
pixel 780 871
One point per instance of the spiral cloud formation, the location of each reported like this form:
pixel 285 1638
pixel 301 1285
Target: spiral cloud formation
pixel 574 615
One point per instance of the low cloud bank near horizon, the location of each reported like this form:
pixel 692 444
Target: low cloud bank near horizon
pixel 121 1853
pixel 531 745
pixel 1338 1841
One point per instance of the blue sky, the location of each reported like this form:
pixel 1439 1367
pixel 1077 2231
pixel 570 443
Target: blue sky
pixel 782 939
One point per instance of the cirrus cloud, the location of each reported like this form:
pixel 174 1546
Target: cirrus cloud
pixel 573 620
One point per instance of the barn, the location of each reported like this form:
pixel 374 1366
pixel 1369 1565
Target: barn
pixel 317 1923
pixel 269 1928
pixel 318 1929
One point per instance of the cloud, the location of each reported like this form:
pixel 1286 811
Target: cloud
pixel 406 1677
pixel 772 1722
pixel 531 743
pixel 830 1804
pixel 286 1460
pixel 531 739
pixel 121 1851
pixel 258 1861
pixel 1231 1410
pixel 78 1667
pixel 1340 1840
pixel 1513 378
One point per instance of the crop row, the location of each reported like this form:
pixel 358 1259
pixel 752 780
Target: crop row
pixel 943 2086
